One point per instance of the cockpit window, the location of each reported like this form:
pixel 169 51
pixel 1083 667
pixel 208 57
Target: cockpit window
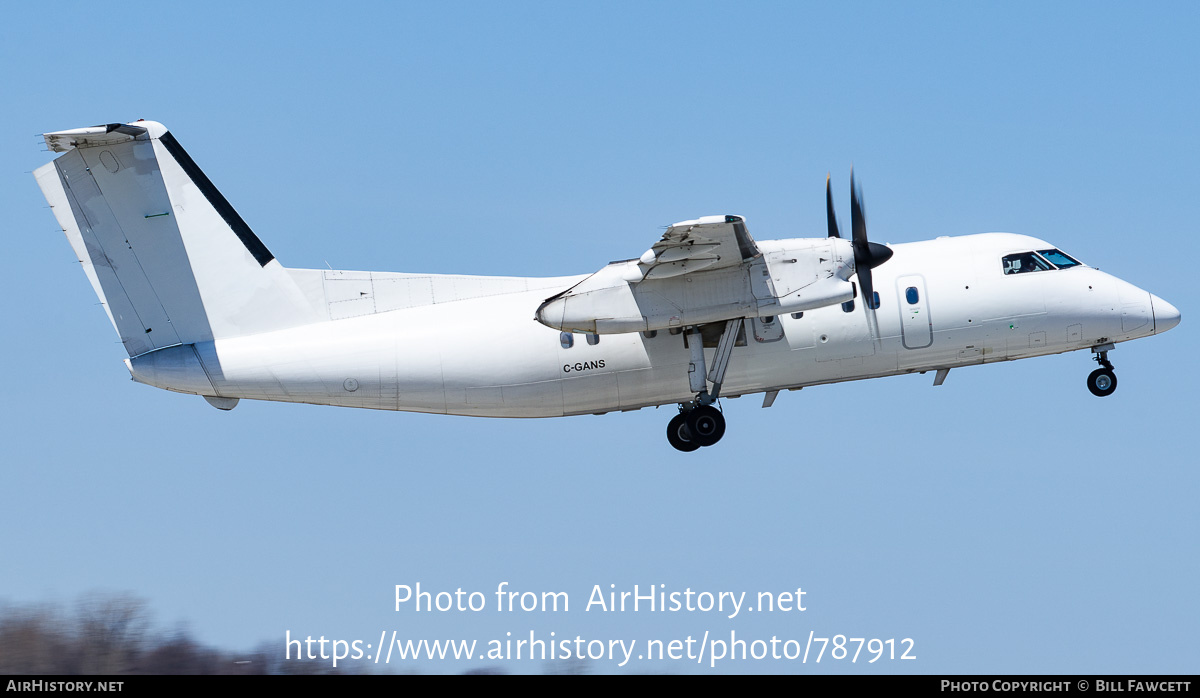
pixel 1058 259
pixel 1024 262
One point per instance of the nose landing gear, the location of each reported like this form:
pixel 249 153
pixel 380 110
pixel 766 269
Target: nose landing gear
pixel 1103 381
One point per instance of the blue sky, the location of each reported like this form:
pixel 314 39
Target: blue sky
pixel 1003 530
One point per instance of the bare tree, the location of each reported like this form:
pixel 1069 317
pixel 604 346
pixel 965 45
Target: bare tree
pixel 112 633
pixel 32 640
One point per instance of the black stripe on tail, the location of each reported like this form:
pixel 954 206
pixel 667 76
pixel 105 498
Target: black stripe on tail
pixel 253 245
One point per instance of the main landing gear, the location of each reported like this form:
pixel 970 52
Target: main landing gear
pixel 702 425
pixel 1103 381
pixel 699 423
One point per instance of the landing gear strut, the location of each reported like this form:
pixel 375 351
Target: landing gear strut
pixel 1103 381
pixel 698 422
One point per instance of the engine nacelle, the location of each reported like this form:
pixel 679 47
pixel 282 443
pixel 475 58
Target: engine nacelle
pixel 789 276
pixel 806 274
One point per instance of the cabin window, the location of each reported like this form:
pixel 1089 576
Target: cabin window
pixel 874 302
pixel 797 316
pixel 651 334
pixel 1024 262
pixel 566 339
pixel 911 295
pixel 1059 259
pixel 593 339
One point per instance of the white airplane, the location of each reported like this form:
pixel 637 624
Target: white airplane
pixel 203 307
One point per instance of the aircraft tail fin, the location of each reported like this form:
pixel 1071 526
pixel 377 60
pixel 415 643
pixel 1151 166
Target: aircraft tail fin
pixel 168 256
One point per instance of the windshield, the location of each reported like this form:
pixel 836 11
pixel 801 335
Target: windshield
pixel 1058 259
pixel 1024 263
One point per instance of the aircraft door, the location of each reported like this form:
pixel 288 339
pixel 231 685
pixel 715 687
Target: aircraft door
pixel 916 326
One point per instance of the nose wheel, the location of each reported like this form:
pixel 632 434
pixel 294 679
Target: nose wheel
pixel 1103 381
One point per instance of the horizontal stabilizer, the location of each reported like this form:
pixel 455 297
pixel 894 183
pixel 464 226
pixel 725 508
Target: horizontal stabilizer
pixel 109 134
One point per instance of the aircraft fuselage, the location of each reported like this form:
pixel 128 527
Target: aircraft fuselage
pixel 943 304
pixel 202 306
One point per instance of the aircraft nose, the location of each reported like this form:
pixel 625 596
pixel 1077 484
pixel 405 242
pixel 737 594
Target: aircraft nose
pixel 1166 315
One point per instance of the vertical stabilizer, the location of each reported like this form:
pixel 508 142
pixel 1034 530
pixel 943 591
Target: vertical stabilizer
pixel 167 254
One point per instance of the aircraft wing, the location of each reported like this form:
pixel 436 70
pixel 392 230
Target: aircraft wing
pixel 712 242
pixel 715 252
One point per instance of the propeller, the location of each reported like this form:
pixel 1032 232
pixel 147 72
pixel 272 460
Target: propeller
pixel 834 232
pixel 867 254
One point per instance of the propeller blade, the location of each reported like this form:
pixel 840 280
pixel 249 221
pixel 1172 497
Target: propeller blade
pixel 868 298
pixel 858 222
pixel 834 232
pixel 866 286
pixel 867 256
